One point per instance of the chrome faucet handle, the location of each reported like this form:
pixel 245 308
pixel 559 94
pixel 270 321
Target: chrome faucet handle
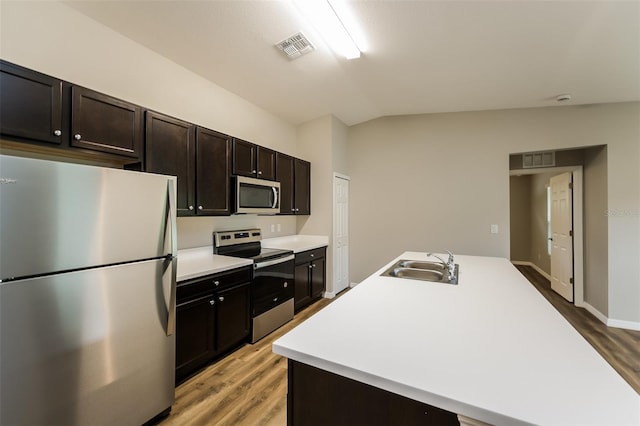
pixel 450 260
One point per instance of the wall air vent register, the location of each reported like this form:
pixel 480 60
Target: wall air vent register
pixel 295 46
pixel 533 160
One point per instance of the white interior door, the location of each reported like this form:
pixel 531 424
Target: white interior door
pixel 562 236
pixel 340 233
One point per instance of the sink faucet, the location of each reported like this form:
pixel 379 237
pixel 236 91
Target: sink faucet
pixel 449 263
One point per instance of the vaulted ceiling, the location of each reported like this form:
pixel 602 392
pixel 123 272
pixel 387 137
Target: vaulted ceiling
pixel 421 56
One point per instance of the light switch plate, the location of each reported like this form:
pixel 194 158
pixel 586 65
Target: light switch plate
pixel 494 229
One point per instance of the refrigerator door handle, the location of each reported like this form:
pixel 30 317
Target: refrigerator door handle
pixel 171 219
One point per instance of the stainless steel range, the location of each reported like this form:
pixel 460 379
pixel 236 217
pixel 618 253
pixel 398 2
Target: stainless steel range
pixel 272 283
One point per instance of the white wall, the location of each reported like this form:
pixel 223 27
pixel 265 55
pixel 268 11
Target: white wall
pixel 57 40
pixel 437 181
pixel 323 142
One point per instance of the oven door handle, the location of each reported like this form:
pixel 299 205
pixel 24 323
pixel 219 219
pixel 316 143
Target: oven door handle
pixel 261 265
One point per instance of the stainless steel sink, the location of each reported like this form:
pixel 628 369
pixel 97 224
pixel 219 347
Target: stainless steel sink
pixel 421 270
pixel 421 264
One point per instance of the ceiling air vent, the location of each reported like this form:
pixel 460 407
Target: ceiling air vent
pixel 295 46
pixel 532 160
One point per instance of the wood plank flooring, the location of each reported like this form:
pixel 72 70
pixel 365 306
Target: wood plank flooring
pixel 621 348
pixel 249 386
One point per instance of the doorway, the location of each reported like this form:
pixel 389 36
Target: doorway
pixel 529 226
pixel 340 240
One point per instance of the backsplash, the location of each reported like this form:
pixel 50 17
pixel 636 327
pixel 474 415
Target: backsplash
pixel 197 231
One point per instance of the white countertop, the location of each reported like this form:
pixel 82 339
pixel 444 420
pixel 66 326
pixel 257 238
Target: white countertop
pixel 297 243
pixel 490 348
pixel 198 262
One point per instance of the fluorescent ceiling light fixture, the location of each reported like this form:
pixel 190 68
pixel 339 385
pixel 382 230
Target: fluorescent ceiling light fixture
pixel 323 15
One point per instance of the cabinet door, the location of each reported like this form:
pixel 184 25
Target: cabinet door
pixel 317 278
pixel 232 316
pixel 30 104
pixel 302 191
pixel 212 172
pixel 170 150
pixel 244 158
pixel 284 175
pixel 195 334
pixel 302 291
pixel 102 123
pixel 266 163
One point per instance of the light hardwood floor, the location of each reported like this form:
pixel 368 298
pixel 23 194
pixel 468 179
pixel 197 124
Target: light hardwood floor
pixel 249 386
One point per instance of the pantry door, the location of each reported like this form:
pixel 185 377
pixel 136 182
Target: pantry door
pixel 562 235
pixel 340 233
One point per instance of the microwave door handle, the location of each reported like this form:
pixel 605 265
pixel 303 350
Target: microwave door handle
pixel 275 197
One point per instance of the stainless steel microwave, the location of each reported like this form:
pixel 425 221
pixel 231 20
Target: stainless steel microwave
pixel 256 196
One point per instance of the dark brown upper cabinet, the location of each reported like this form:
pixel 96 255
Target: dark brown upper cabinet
pixel 106 124
pixel 253 160
pixel 170 150
pixel 295 184
pixel 30 105
pixel 213 159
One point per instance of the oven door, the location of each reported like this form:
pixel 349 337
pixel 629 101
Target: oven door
pixel 272 284
pixel 257 196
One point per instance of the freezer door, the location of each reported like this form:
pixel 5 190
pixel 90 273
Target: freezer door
pixel 88 347
pixel 59 216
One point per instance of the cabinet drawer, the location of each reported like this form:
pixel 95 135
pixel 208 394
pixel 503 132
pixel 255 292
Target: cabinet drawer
pixel 310 255
pixel 195 287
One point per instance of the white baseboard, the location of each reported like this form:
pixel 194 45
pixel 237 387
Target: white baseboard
pixel 628 325
pixel 352 284
pixel 328 295
pixel 534 266
pixel 596 313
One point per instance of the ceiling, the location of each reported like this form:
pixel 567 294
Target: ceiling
pixel 422 56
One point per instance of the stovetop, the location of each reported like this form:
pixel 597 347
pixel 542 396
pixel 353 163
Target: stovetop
pixel 245 244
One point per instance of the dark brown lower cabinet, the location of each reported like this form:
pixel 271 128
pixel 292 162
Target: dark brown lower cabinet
pixel 212 318
pixel 309 277
pixel 318 398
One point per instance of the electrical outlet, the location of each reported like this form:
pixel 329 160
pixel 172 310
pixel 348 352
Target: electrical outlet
pixel 273 228
pixel 279 227
pixel 494 229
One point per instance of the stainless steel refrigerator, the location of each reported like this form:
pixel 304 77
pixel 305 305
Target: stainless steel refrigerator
pixel 87 294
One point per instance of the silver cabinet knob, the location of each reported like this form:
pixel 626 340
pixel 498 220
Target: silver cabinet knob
pixel 221 299
pixel 191 208
pixel 293 210
pixel 259 172
pixel 212 302
pixel 310 266
pixel 77 136
pixel 200 208
pixel 286 284
pixel 57 132
pixel 312 255
pixel 313 265
pixel 275 299
pixel 253 172
pixel 216 283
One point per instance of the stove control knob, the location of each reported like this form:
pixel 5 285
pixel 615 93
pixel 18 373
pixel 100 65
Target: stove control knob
pixel 221 299
pixel 216 283
pixel 212 302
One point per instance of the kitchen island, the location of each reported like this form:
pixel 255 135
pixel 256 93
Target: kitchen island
pixel 490 348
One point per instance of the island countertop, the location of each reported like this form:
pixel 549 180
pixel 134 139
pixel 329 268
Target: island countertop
pixel 490 348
